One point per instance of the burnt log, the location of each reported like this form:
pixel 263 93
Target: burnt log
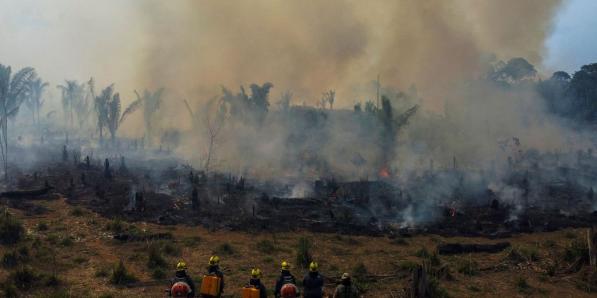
pixel 26 193
pixel 458 248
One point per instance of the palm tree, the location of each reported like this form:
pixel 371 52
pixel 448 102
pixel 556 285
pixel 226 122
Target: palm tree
pixel 151 104
pixel 34 101
pixel 114 116
pixel 13 90
pixel 107 107
pixel 72 94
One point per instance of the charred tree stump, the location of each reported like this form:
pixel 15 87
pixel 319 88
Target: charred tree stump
pixel 592 245
pixel 195 199
pixel 420 283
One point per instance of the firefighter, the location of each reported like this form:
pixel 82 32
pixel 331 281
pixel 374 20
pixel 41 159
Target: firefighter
pixel 214 268
pixel 313 282
pixel 182 276
pixel 256 282
pixel 346 289
pixel 285 278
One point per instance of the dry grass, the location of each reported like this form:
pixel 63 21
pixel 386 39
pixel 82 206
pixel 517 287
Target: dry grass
pixel 84 262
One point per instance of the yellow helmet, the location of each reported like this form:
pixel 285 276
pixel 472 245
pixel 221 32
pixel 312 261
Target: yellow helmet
pixel 313 266
pixel 181 265
pixel 285 265
pixel 255 273
pixel 214 260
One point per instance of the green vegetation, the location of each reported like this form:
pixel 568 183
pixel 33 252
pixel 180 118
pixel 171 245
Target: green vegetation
pixel 121 276
pixel 11 229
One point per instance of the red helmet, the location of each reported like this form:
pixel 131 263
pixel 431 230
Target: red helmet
pixel 288 291
pixel 180 289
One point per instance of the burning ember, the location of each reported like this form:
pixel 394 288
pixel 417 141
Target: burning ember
pixel 384 172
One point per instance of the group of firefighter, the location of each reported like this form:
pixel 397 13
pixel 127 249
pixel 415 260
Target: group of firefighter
pixel 212 284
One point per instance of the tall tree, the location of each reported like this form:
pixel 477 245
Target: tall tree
pixel 13 90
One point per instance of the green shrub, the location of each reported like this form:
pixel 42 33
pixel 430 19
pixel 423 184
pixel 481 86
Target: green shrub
pixel 266 247
pixel 52 281
pixel 360 271
pixel 10 259
pixel 102 272
pixel 171 248
pixel 468 267
pixel 77 211
pixel 435 290
pixel 522 285
pixel 24 278
pixel 225 249
pixel 303 252
pixel 400 241
pixel 116 226
pixel 11 229
pixel 42 226
pixel 158 274
pixel 407 265
pixel 121 276
pixel 10 291
pixel 155 259
pixel 67 241
pixel 422 253
pixel 576 249
pixel 191 241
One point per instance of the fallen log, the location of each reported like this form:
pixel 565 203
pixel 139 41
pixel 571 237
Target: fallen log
pixel 26 193
pixel 142 237
pixel 458 248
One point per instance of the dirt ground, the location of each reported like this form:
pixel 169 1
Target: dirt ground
pixel 78 248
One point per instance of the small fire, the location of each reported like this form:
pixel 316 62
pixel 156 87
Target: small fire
pixel 384 172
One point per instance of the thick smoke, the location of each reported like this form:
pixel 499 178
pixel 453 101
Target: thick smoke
pixel 312 46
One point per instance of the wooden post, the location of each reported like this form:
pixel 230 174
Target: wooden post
pixel 420 283
pixel 592 245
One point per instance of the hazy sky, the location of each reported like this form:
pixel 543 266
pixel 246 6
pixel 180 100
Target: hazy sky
pixel 573 41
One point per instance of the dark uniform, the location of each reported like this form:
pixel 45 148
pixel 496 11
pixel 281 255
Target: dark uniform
pixel 215 270
pixel 285 278
pixel 181 275
pixel 256 282
pixel 313 285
